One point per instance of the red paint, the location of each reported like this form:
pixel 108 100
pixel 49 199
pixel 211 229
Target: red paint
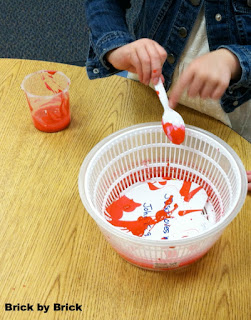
pixel 116 209
pixel 174 133
pixel 162 214
pixel 184 212
pixel 169 201
pixel 53 116
pixel 140 176
pixel 157 92
pixel 137 227
pixel 167 178
pixel 50 75
pixel 153 187
pixel 185 191
pixel 51 72
pixel 154 71
pixel 48 87
pixel 115 212
pixel 151 265
pixel 152 173
pixel 29 104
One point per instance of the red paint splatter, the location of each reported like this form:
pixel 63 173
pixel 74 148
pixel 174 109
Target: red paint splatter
pixel 184 212
pixel 152 173
pixel 162 214
pixel 185 191
pixel 29 104
pixel 154 71
pixel 152 186
pixel 138 227
pixel 157 92
pixel 174 133
pixel 150 264
pixel 167 178
pixel 48 87
pixel 169 201
pixel 115 210
pixel 51 72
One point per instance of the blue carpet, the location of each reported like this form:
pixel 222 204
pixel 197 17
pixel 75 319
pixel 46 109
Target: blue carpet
pixel 44 30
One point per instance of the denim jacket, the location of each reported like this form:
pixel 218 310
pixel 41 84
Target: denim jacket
pixel 114 23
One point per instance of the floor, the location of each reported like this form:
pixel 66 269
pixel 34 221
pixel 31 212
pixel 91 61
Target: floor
pixel 44 30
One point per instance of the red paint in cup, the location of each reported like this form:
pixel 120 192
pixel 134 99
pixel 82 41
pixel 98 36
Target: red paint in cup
pixel 47 93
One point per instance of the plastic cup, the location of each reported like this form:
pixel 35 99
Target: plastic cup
pixel 47 94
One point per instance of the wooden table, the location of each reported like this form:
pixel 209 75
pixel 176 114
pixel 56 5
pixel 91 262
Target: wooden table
pixel 51 251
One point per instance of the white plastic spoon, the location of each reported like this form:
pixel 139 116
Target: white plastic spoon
pixel 172 122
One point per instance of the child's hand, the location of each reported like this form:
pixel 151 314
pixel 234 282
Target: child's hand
pixel 207 76
pixel 249 180
pixel 144 57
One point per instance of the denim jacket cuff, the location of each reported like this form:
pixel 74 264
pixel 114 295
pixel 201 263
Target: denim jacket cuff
pixel 110 41
pixel 239 91
pixel 95 70
pixel 97 66
pixel 243 53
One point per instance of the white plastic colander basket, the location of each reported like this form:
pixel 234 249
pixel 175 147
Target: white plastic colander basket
pixel 143 152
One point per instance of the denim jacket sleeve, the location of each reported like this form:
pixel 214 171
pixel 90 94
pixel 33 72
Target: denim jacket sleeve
pixel 106 20
pixel 239 91
pixel 109 30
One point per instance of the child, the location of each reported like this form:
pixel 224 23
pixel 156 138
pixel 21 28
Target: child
pixel 249 180
pixel 203 47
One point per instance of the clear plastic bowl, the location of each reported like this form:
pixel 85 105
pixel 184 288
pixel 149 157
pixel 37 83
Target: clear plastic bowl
pixel 143 151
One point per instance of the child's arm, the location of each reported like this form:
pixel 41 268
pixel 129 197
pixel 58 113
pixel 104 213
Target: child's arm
pixel 207 76
pixel 106 20
pixel 249 180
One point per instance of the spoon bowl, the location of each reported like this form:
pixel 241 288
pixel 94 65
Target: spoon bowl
pixel 172 122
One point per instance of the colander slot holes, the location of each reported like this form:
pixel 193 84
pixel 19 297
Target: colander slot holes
pixel 184 162
pixel 122 163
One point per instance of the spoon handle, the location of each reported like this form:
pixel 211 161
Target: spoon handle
pixel 159 88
